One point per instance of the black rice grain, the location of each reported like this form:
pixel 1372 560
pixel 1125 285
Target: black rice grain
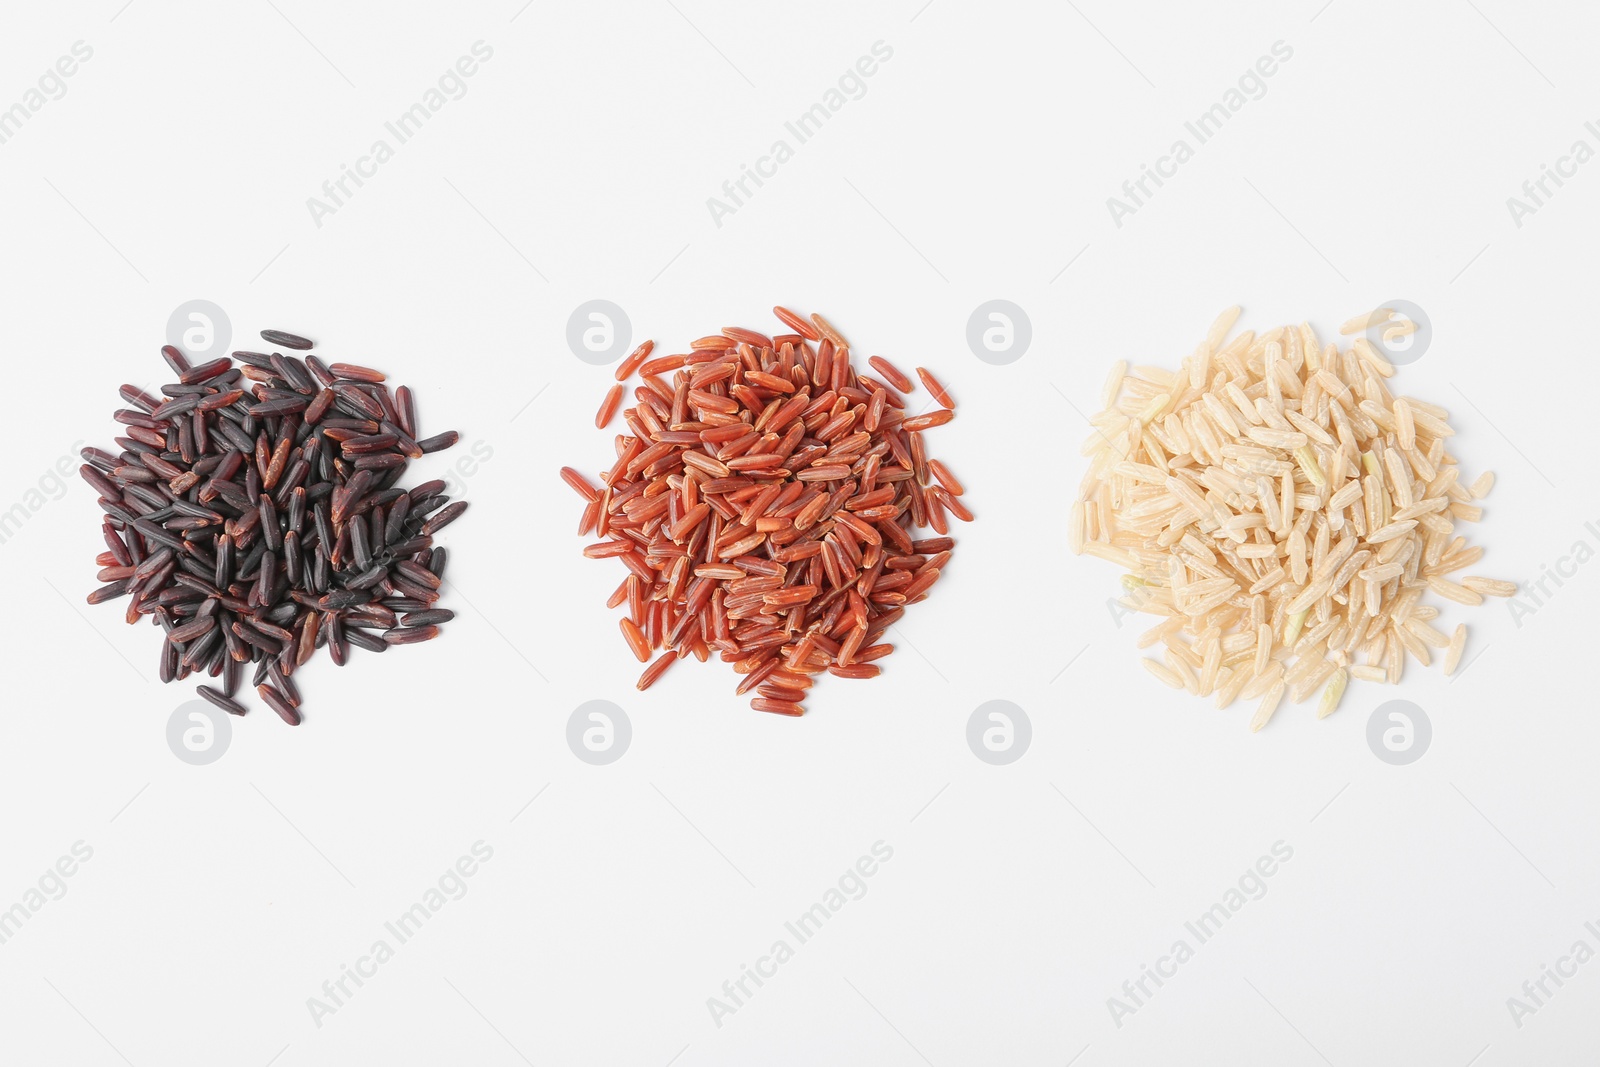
pixel 287 340
pixel 276 701
pixel 362 639
pixel 439 442
pixel 427 618
pixel 444 518
pixel 408 635
pixel 221 700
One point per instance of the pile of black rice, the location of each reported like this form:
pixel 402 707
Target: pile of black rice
pixel 253 513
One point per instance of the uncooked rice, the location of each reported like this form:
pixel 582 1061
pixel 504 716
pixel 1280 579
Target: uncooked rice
pixel 763 502
pixel 253 513
pixel 1283 513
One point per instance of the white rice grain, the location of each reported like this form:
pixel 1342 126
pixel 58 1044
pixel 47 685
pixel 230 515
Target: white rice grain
pixel 1458 642
pixel 1268 705
pixel 1361 323
pixel 1451 591
pixel 1164 675
pixel 1489 586
pixel 1332 695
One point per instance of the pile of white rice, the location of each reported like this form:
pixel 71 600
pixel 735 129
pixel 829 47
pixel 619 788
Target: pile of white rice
pixel 1283 512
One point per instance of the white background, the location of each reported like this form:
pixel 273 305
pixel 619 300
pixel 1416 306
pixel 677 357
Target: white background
pixel 976 166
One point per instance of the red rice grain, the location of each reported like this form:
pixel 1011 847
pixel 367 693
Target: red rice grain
pixel 825 328
pixel 762 501
pixel 938 391
pixel 635 358
pixel 660 364
pixel 896 377
pixel 608 407
pixel 780 707
pixel 928 421
pixel 797 324
pixel 579 483
pixel 656 670
pixel 635 639
pixel 942 474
